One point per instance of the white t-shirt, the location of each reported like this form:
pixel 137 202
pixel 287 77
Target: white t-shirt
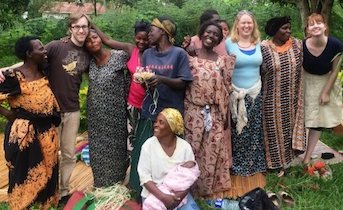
pixel 154 163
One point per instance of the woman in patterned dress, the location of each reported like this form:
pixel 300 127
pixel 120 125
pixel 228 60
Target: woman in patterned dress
pixel 207 114
pixel 136 92
pixel 248 158
pixel 283 97
pixel 107 114
pixel 31 143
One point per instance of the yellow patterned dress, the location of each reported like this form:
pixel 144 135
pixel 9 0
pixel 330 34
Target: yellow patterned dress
pixel 31 144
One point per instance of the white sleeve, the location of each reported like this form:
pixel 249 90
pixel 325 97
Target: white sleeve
pixel 144 165
pixel 189 155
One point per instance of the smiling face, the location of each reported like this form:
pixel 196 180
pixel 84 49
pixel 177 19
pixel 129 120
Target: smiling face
pixel 161 127
pixel 316 28
pixel 245 25
pixel 210 37
pixel 142 41
pixel 38 53
pixel 283 33
pixel 79 31
pixel 93 42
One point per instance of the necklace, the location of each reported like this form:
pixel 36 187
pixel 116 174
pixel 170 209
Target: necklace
pixel 244 47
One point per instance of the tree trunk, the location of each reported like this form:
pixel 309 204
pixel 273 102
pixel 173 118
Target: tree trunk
pixel 326 10
pixel 306 7
pixel 94 3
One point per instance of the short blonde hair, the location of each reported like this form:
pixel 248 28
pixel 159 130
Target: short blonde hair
pixel 74 17
pixel 255 37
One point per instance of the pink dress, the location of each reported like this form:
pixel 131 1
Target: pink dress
pixel 178 178
pixel 137 92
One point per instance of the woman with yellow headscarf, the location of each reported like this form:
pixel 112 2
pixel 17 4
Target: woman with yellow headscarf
pixel 166 88
pixel 160 154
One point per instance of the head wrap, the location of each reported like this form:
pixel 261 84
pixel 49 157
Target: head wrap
pixel 274 24
pixel 166 25
pixel 174 119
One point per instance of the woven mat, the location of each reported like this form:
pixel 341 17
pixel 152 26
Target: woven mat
pixel 318 150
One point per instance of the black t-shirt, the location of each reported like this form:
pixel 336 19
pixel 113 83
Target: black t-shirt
pixel 323 63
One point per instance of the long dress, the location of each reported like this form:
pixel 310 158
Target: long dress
pixel 31 143
pixel 107 119
pixel 248 156
pixel 283 103
pixel 211 145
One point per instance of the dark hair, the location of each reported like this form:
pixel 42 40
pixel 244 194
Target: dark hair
pixel 204 26
pixel 274 24
pixel 207 15
pixel 141 26
pixel 224 21
pixel 23 45
pixel 163 18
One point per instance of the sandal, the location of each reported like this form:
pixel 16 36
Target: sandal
pixel 281 173
pixel 287 199
pixel 275 199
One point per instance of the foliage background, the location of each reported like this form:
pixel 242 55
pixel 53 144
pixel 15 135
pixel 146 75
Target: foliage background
pixel 119 20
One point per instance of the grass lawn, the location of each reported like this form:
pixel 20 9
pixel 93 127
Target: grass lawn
pixel 310 193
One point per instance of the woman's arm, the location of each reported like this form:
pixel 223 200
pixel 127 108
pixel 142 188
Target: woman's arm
pixel 170 201
pixel 174 83
pixel 7 113
pixel 127 47
pixel 325 95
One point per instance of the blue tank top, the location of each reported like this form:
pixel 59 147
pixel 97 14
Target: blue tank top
pixel 247 66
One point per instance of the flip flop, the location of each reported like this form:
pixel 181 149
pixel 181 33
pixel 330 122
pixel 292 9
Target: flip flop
pixel 275 199
pixel 287 199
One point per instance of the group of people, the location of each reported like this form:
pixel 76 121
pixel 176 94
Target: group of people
pixel 215 115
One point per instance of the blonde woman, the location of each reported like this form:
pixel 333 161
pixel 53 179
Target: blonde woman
pixel 323 94
pixel 245 103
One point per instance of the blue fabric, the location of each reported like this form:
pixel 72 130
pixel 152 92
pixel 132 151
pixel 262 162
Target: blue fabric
pixel 85 155
pixel 248 52
pixel 190 205
pixel 247 67
pixel 173 64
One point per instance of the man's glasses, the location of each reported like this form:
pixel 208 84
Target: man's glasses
pixel 77 27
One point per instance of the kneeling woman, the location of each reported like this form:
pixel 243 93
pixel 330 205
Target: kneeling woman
pixel 169 151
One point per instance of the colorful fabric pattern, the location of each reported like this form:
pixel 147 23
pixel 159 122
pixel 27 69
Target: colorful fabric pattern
pixel 31 143
pixel 211 81
pixel 174 119
pixel 248 156
pixel 283 104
